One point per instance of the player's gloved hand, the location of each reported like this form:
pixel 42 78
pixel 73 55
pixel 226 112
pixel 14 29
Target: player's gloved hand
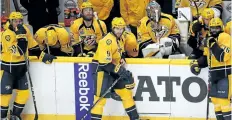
pixel 194 67
pixel 130 82
pixel 122 72
pixel 46 58
pixel 90 40
pixel 21 37
pixel 90 54
pixel 20 32
pixel 208 42
pixel 81 55
pixel 196 27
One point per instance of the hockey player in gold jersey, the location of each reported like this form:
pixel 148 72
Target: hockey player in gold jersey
pixel 159 28
pixel 17 42
pixel 199 30
pixel 217 56
pixel 107 64
pixel 86 32
pixel 228 28
pixel 57 38
pixel 197 6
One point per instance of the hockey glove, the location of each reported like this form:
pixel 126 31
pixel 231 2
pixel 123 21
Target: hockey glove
pixel 208 42
pixel 123 73
pixel 130 83
pixel 22 39
pixel 20 32
pixel 46 58
pixel 81 55
pixel 90 54
pixel 196 27
pixel 194 67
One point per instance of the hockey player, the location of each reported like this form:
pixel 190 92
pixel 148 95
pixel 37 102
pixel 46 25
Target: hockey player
pixel 228 29
pixel 197 6
pixel 16 42
pixel 217 56
pixel 199 30
pixel 56 37
pixel 106 63
pixel 159 28
pixel 86 32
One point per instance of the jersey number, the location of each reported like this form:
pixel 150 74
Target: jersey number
pixel 227 49
pixel 13 49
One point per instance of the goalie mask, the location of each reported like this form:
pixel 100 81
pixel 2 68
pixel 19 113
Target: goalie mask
pixel 153 11
pixel 215 27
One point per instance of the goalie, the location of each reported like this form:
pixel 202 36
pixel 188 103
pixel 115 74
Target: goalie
pixel 160 30
pixel 217 56
pixel 17 42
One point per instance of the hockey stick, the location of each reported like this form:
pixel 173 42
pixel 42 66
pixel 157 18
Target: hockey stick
pixel 198 33
pixel 209 77
pixel 98 21
pixel 16 5
pixel 46 42
pixel 108 90
pixel 32 90
pixel 31 84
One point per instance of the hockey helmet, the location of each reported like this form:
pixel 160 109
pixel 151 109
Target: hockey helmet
pixel 15 15
pixel 153 11
pixel 118 22
pixel 215 22
pixel 207 13
pixel 215 26
pixel 86 5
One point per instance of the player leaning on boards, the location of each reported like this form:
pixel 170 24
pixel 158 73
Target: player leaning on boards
pixel 86 32
pixel 107 68
pixel 200 26
pixel 217 56
pixel 158 28
pixel 17 42
pixel 56 37
pixel 197 6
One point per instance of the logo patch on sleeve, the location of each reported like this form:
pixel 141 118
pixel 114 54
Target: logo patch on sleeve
pixel 108 42
pixel 7 37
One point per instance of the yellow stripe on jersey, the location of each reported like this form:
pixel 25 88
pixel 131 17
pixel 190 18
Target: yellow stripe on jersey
pixel 100 78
